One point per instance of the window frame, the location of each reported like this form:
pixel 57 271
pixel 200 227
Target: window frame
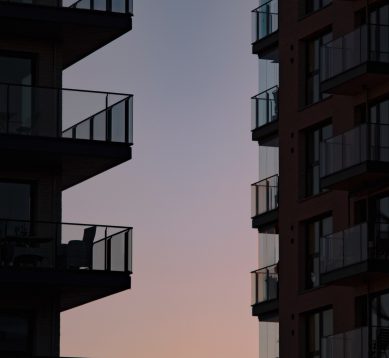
pixel 310 257
pixel 308 331
pixel 29 317
pixel 312 164
pixel 310 75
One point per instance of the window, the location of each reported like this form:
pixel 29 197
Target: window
pixel 318 326
pixel 15 334
pixel 380 324
pixel 15 201
pixel 17 98
pixel 379 112
pixel 314 231
pixel 15 204
pixel 314 5
pixel 312 76
pixel 312 163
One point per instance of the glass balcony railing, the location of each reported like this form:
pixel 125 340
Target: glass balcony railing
pixel 365 44
pixel 367 142
pixel 264 284
pixel 115 6
pixel 65 246
pixel 351 344
pixel 354 245
pixel 264 196
pixel 264 20
pixel 66 113
pixel 363 342
pixel 264 108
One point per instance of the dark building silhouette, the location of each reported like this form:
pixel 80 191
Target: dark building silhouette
pixel 51 139
pixel 323 218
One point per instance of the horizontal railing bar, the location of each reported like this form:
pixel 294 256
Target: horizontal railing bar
pixel 73 6
pixel 67 223
pixel 354 129
pixel 67 89
pixel 112 235
pixel 266 3
pixel 264 92
pixel 263 180
pixel 264 268
pixel 355 226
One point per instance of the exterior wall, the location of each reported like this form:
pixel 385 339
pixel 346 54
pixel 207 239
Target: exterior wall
pixel 43 306
pixel 294 209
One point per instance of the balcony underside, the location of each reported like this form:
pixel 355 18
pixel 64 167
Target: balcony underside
pixel 358 273
pixel 80 32
pixel 265 220
pixel 266 45
pixel 355 80
pixel 74 287
pixel 266 133
pixel 266 311
pixel 73 160
pixel 365 176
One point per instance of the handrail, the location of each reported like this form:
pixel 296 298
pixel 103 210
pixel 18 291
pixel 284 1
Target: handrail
pixel 66 89
pixel 265 91
pixel 64 223
pixel 265 4
pixel 264 268
pixel 266 179
pixel 128 5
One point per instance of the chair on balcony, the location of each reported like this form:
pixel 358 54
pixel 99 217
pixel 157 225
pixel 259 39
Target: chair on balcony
pixel 79 252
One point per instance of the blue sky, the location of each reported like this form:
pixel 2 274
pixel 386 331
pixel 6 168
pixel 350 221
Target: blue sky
pixel 187 190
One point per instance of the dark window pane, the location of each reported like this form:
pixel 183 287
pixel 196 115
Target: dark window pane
pixel 327 323
pixel 14 333
pixel 16 201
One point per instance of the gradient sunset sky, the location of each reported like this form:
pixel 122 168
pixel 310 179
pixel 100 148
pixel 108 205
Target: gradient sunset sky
pixel 186 191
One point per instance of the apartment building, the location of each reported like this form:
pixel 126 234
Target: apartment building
pixel 51 139
pixel 322 288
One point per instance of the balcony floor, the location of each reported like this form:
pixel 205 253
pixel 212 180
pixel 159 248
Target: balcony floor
pixel 266 311
pixel 358 273
pixel 361 177
pixel 265 135
pixel 74 160
pixel 76 287
pixel 355 80
pixel 80 32
pixel 266 45
pixel 265 220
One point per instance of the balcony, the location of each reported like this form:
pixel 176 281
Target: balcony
pixel 74 133
pixel 82 262
pixel 264 126
pixel 81 26
pixel 356 61
pixel 264 202
pixel 355 254
pixel 363 342
pixel 265 28
pixel 357 159
pixel 264 301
